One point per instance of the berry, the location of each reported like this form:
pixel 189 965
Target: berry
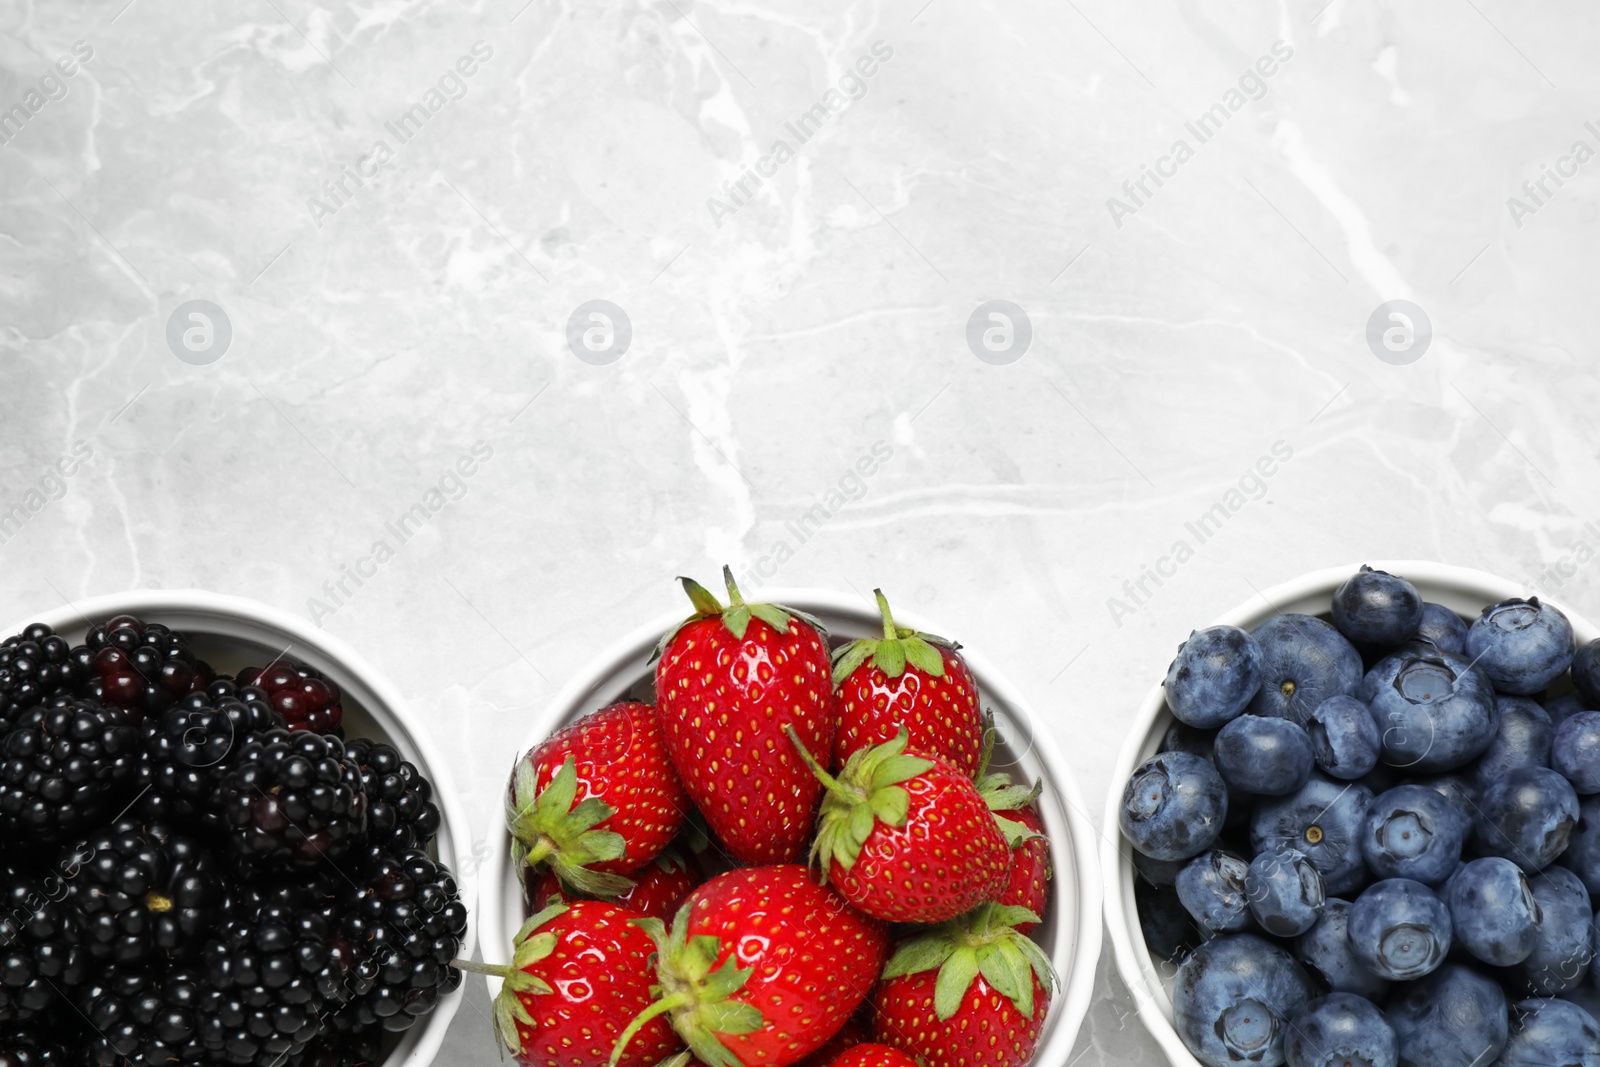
pixel 1285 892
pixel 1413 831
pixel 1214 676
pixel 1028 879
pixel 1169 930
pixel 1212 888
pixel 401 814
pixel 38 958
pixel 1376 608
pixel 1304 662
pixel 1268 757
pixel 912 681
pixel 1233 999
pixel 32 1045
pixel 63 768
pixel 1399 929
pixel 597 800
pixel 1527 817
pixel 1493 913
pixel 1340 1030
pixel 1548 1032
pixel 363 1048
pixel 1443 628
pixel 1173 806
pixel 190 747
pixel 141 667
pixel 1575 751
pixel 292 798
pixel 1586 672
pixel 1522 645
pixel 140 1017
pixel 871 1055
pixel 1436 711
pixel 1523 739
pixel 1344 738
pixel 302 695
pixel 1324 821
pixel 728 684
pixel 1326 952
pixel 1453 1016
pixel 35 666
pixel 1565 942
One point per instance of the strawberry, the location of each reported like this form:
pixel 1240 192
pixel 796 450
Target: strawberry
pixel 871 1055
pixel 580 973
pixel 657 891
pixel 906 838
pixel 911 680
pixel 1028 881
pixel 761 967
pixel 729 683
pixel 852 1033
pixel 970 993
pixel 597 800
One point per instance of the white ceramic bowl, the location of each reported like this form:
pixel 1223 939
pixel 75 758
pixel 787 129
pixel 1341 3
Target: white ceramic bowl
pixel 231 633
pixel 1464 590
pixel 1070 933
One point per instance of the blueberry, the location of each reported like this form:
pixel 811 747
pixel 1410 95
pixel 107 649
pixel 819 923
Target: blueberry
pixel 1565 946
pixel 1323 820
pixel 1546 1033
pixel 1344 737
pixel 1325 950
pixel 1169 930
pixel 1173 806
pixel 1522 740
pixel 1154 871
pixel 1376 608
pixel 1454 1017
pixel 1526 817
pixel 1559 708
pixel 1304 662
pixel 1182 738
pixel 1341 1030
pixel 1522 645
pixel 1233 1000
pixel 1284 891
pixel 1575 752
pixel 1435 711
pixel 1212 888
pixel 1399 929
pixel 1214 676
pixel 1457 789
pixel 1586 672
pixel 1443 628
pixel 1413 831
pixel 1493 914
pixel 1270 757
pixel 1582 856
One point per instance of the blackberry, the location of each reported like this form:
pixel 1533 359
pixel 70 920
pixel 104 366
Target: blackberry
pixel 190 747
pixel 143 667
pixel 305 699
pixel 363 1048
pixel 37 957
pixel 63 767
pixel 404 921
pixel 35 665
pixel 141 1017
pixel 293 799
pixel 35 1044
pixel 400 811
pixel 141 892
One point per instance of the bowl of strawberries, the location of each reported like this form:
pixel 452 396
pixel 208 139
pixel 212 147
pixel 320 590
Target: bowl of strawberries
pixel 804 831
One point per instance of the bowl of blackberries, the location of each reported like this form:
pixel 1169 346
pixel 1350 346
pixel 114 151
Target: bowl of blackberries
pixel 1359 823
pixel 223 841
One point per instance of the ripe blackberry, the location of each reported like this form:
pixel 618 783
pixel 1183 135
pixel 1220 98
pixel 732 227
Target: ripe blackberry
pixel 363 1048
pixel 190 747
pixel 305 699
pixel 400 810
pixel 35 665
pixel 143 667
pixel 37 956
pixel 293 799
pixel 140 1017
pixel 63 767
pixel 404 921
pixel 141 893
pixel 34 1044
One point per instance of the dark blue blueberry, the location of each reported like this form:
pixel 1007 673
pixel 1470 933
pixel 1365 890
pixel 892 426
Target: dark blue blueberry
pixel 1413 831
pixel 1323 820
pixel 1284 891
pixel 1575 752
pixel 1455 1017
pixel 1173 806
pixel 1304 662
pixel 1181 738
pixel 1214 676
pixel 1561 957
pixel 1459 790
pixel 1325 950
pixel 1270 757
pixel 1560 707
pixel 1435 711
pixel 1582 856
pixel 1399 929
pixel 1344 738
pixel 1233 1000
pixel 1551 1033
pixel 1527 817
pixel 1493 914
pixel 1443 628
pixel 1169 930
pixel 1523 739
pixel 1341 1030
pixel 1212 888
pixel 1586 672
pixel 1154 871
pixel 1522 645
pixel 1376 608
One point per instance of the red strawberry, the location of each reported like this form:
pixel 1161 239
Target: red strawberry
pixel 658 889
pixel 729 683
pixel 581 972
pixel 852 1033
pixel 762 966
pixel 870 1055
pixel 906 838
pixel 597 800
pixel 911 680
pixel 1028 882
pixel 970 993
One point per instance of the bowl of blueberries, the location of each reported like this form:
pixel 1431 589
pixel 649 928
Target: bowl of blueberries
pixel 1359 824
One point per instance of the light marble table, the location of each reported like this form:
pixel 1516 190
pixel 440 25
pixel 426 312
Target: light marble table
pixel 395 216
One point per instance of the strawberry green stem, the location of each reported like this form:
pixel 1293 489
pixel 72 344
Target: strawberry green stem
pixel 660 1007
pixel 829 782
pixel 704 603
pixel 489 969
pixel 889 630
pixel 735 598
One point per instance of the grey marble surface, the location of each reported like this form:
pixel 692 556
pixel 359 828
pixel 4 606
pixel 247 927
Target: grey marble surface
pixel 394 208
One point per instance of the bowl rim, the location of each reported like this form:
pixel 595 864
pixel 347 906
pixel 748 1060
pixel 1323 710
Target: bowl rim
pixel 421 1044
pixel 1071 1002
pixel 1133 960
